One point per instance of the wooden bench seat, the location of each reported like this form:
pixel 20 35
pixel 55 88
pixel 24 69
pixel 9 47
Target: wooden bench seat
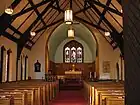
pixel 6 100
pixel 30 93
pixel 97 92
pixel 109 90
pixel 19 97
pixel 114 101
pixel 104 95
pixel 37 92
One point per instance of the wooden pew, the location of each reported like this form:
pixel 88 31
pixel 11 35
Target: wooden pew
pixel 29 92
pixel 104 95
pixel 38 92
pixel 6 100
pixel 93 90
pixel 19 97
pixel 114 101
pixel 110 90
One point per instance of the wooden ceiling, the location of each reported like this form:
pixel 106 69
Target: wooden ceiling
pixel 38 15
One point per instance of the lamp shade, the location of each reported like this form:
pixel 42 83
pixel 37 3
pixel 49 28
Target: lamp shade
pixel 107 33
pixel 32 33
pixel 9 11
pixel 68 16
pixel 71 33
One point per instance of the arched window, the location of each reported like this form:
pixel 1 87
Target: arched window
pixel 79 55
pixel 67 54
pixel 73 52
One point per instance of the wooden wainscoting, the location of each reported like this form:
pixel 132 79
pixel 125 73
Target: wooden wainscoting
pixel 60 68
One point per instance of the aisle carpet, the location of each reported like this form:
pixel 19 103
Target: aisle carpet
pixel 71 97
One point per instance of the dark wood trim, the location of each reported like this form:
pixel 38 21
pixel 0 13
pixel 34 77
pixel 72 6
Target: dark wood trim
pixel 8 64
pixel 1 63
pixel 21 68
pixel 26 61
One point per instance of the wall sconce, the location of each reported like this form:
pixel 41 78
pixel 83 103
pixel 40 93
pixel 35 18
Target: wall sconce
pixel 9 11
pixel 32 33
pixel 107 33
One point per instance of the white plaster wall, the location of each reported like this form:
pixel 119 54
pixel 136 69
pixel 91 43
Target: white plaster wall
pixel 8 44
pixel 106 53
pixel 88 58
pixel 38 53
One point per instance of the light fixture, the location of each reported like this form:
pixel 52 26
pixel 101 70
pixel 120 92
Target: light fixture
pixel 68 18
pixel 9 11
pixel 32 33
pixel 71 33
pixel 121 11
pixel 107 33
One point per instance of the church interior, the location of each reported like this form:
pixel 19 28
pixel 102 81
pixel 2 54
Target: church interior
pixel 68 52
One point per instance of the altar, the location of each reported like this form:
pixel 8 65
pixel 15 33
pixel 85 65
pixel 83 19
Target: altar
pixel 73 74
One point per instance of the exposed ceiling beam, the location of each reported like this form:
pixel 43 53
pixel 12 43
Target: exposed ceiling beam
pixel 57 4
pixel 36 10
pixel 9 36
pixel 119 1
pixel 28 47
pixel 26 35
pixel 15 3
pixel 85 3
pixel 49 25
pixel 58 9
pixel 70 4
pixel 115 35
pixel 5 21
pixel 30 8
pixel 94 25
pixel 104 6
pixel 105 20
pixel 15 30
pixel 104 11
pixel 82 10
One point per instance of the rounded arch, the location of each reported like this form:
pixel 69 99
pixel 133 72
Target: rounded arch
pixel 94 38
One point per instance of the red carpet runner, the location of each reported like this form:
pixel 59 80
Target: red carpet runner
pixel 69 98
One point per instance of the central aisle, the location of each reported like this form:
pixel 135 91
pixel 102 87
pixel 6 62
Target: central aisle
pixel 69 97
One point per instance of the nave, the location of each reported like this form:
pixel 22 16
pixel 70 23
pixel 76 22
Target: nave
pixel 40 92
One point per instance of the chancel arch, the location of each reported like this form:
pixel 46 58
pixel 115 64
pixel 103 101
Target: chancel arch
pixel 87 51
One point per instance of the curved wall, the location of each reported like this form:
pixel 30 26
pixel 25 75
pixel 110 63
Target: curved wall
pixel 88 55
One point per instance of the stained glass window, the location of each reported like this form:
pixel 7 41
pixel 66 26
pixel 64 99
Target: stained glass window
pixel 73 52
pixel 67 54
pixel 79 55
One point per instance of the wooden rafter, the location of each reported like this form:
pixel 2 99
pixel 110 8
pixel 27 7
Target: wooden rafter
pixel 30 9
pixel 104 6
pixel 26 35
pixel 36 11
pixel 104 12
